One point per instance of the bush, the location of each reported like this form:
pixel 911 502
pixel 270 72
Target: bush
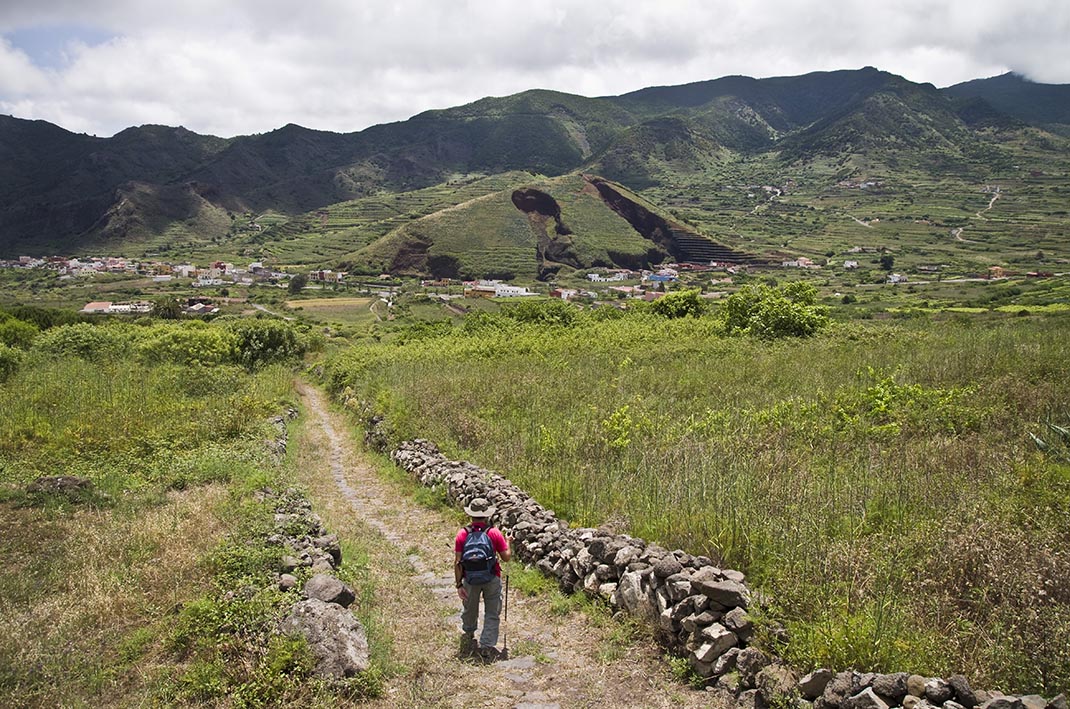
pixel 190 344
pixel 542 312
pixel 679 304
pixel 9 361
pixel 89 342
pixel 772 313
pixel 261 342
pixel 16 333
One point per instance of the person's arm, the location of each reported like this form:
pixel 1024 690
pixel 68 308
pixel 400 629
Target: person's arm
pixel 458 571
pixel 507 555
pixel 505 547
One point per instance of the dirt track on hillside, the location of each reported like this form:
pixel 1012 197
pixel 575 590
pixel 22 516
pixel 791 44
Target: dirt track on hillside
pixel 556 660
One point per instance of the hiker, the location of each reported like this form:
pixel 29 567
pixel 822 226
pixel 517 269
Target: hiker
pixel 477 572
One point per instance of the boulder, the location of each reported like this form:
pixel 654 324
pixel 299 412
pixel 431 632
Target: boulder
pixel 624 556
pixel 739 622
pixel 916 685
pixel 812 685
pixel 776 682
pixel 839 688
pixel 666 623
pixel 937 691
pixel 749 663
pixel 1057 702
pixel 963 692
pixel 630 591
pixel 329 543
pixel 337 639
pixel 729 594
pixel 891 687
pixel 726 662
pixel 329 590
pixel 715 640
pixel 287 582
pixel 60 485
pixel 667 566
pixel 866 699
pixel 1003 703
pixel 1034 701
pixel 751 699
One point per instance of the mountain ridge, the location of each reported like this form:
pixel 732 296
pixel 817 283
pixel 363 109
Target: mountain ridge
pixel 66 191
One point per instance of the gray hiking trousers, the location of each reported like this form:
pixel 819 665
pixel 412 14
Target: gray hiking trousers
pixel 492 608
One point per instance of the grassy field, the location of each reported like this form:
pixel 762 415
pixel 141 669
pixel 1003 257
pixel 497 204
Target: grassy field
pixel 879 481
pixel 156 585
pixel 351 311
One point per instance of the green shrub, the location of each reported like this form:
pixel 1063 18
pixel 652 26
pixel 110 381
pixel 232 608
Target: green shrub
pixel 187 344
pixel 16 333
pixel 679 304
pixel 542 312
pixel 9 361
pixel 89 342
pixel 772 313
pixel 260 342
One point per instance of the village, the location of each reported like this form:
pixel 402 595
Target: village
pixel 596 285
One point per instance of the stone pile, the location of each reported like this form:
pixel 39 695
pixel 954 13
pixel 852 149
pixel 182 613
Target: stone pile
pixel 301 533
pixel 277 445
pixel 697 609
pixel 335 637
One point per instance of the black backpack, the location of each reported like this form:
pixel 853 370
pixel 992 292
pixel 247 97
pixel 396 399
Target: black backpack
pixel 477 556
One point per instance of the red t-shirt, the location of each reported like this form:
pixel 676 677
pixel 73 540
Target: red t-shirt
pixel 497 540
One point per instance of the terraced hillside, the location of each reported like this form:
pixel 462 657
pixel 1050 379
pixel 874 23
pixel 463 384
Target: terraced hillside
pixel 575 221
pixel 334 233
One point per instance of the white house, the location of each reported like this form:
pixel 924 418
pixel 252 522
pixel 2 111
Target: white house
pixel 504 290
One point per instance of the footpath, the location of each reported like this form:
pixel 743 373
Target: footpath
pixel 555 660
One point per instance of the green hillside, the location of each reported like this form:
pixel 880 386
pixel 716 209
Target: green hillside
pixel 814 165
pixel 490 236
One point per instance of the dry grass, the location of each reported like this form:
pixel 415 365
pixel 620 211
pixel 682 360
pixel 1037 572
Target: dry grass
pixel 87 590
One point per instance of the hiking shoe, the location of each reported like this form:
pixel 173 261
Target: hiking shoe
pixel 488 653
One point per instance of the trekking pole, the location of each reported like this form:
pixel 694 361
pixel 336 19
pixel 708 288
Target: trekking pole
pixel 505 632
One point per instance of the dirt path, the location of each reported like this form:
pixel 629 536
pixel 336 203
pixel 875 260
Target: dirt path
pixel 991 203
pixel 262 309
pixel 558 659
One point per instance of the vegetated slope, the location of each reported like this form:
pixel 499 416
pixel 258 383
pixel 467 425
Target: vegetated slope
pixel 537 228
pixel 332 234
pixel 56 185
pixel 67 193
pixel 1014 95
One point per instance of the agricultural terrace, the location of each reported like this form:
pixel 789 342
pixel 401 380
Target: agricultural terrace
pixel 900 489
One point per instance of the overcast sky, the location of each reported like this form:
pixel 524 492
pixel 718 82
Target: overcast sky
pixel 250 66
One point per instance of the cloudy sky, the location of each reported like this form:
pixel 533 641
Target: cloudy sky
pixel 249 66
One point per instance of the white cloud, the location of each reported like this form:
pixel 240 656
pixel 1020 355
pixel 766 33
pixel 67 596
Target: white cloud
pixel 249 66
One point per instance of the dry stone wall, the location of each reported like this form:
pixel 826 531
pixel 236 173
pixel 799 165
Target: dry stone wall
pixel 697 609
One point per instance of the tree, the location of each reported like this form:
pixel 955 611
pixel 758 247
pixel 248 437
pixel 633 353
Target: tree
pixel 167 309
pixel 887 262
pixel 297 284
